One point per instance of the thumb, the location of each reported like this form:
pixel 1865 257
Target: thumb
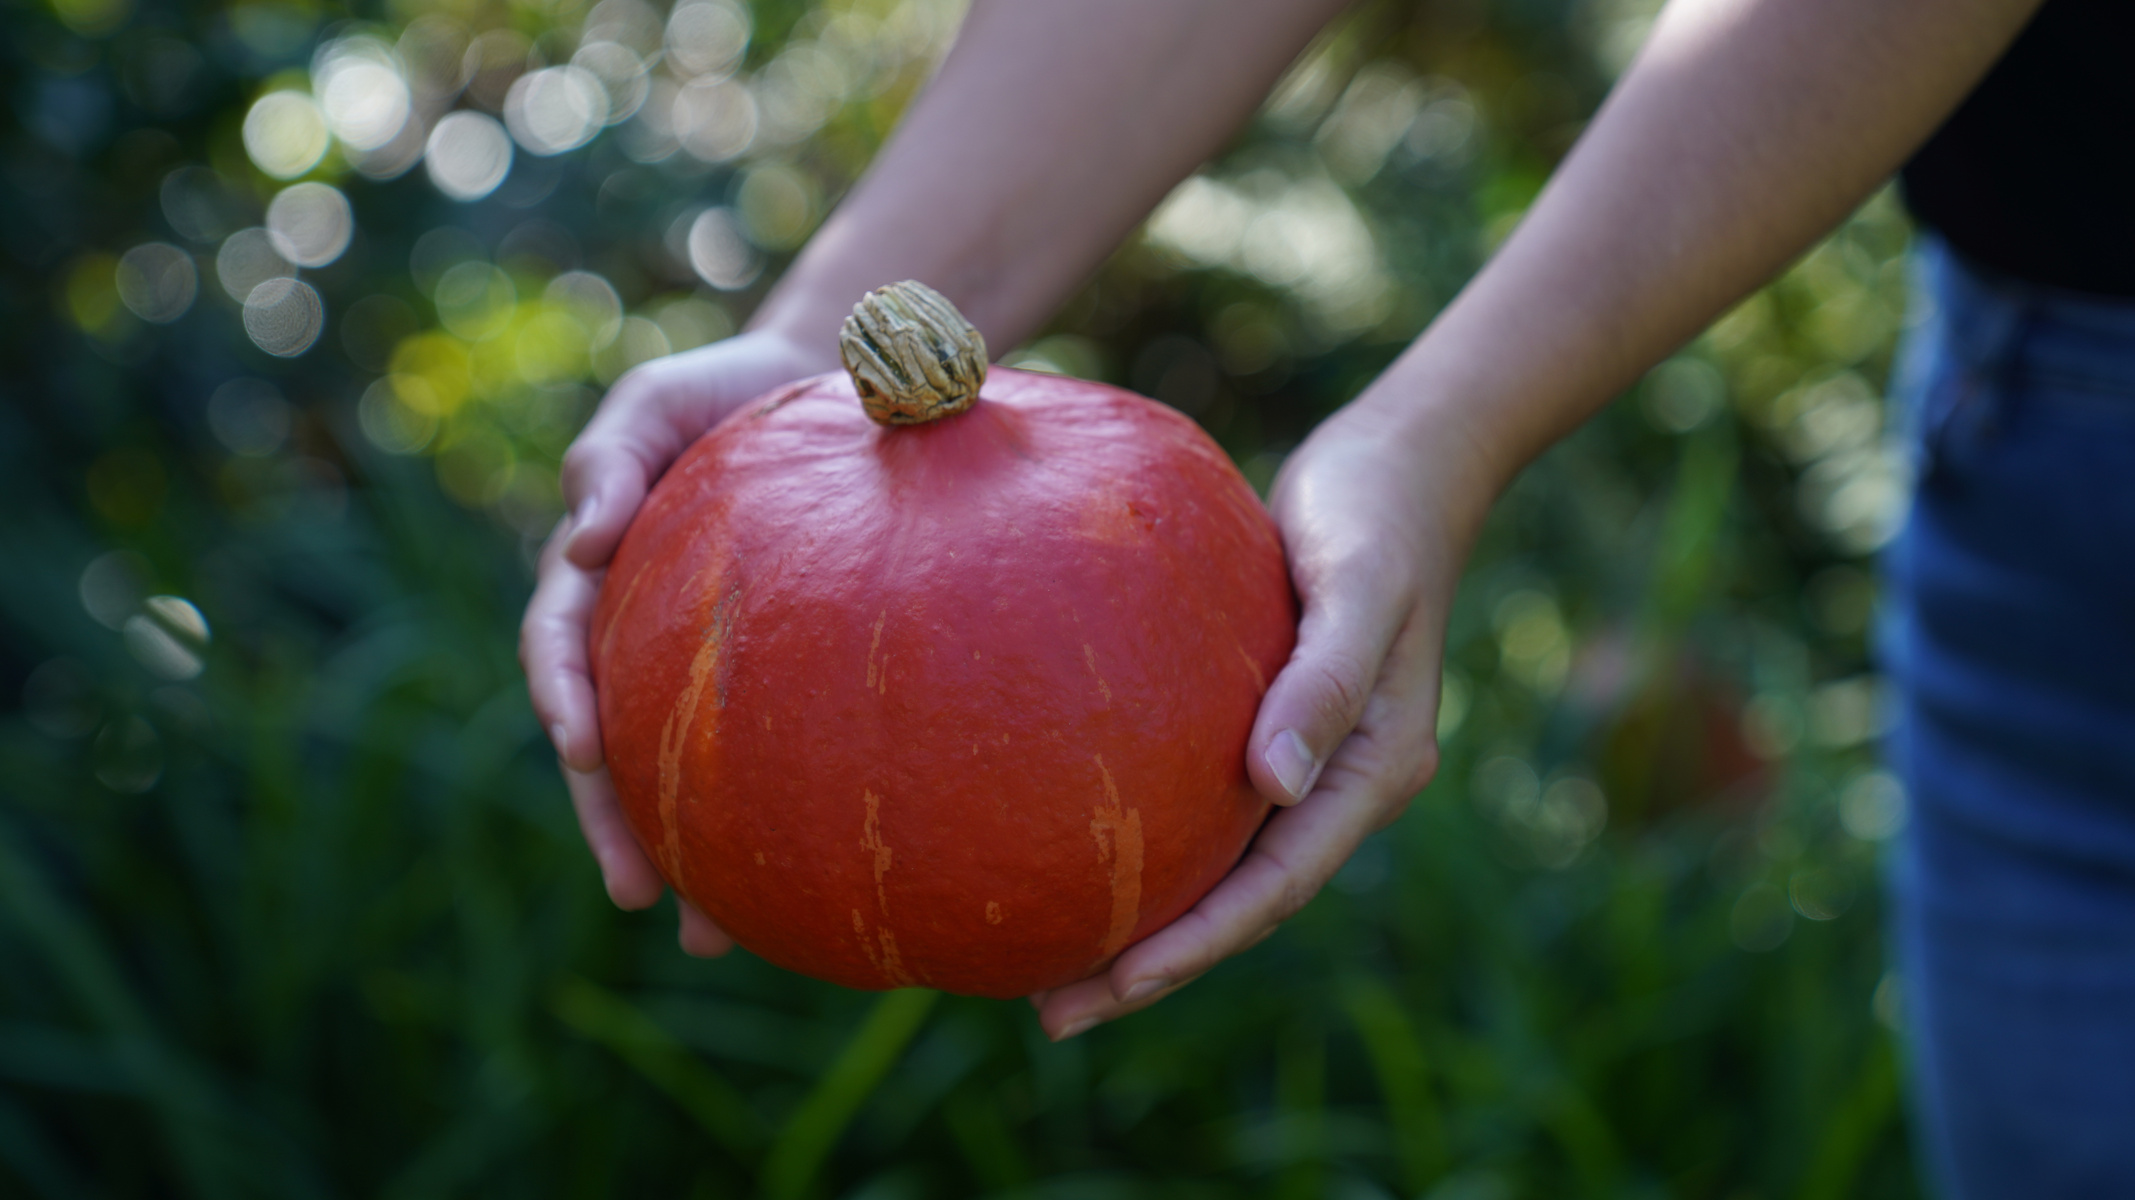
pixel 1350 622
pixel 605 479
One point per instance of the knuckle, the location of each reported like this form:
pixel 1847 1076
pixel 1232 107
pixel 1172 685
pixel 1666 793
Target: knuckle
pixel 578 465
pixel 631 387
pixel 1395 810
pixel 1426 764
pixel 1341 686
pixel 1418 765
pixel 1293 896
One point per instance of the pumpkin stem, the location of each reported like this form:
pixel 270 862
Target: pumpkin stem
pixel 912 356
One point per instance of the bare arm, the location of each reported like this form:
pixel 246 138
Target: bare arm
pixel 1745 130
pixel 1051 131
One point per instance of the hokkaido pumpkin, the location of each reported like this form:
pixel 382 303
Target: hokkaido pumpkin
pixel 906 680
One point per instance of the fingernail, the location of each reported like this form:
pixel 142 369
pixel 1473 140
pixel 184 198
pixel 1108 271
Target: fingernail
pixel 1075 1028
pixel 558 738
pixel 1143 990
pixel 582 516
pixel 607 881
pixel 1291 763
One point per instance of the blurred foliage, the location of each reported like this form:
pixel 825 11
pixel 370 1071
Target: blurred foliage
pixel 291 899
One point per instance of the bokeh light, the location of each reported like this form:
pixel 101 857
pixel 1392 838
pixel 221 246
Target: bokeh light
pixel 391 423
pixel 438 250
pixel 432 53
pixel 556 109
pixel 714 118
pixel 590 300
pixel 92 18
pixel 777 205
pixel 1872 807
pixel 200 205
pixel 649 137
pixel 361 93
pixel 170 637
pixel 468 155
pixel 692 321
pixel 798 91
pixel 112 587
pixel 637 340
pixel 494 59
pixel 622 76
pixel 157 281
pixel 718 251
pixel 474 300
pixel 706 36
pixel 284 316
pixel 247 259
pixel 310 224
pixel 285 134
pixel 630 23
pixel 552 348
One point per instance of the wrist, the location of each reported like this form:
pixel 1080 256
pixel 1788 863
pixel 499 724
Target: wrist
pixel 1445 423
pixel 804 324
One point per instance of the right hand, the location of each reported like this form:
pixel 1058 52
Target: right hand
pixel 647 420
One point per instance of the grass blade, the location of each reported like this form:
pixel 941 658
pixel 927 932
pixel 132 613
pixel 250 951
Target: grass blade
pixel 815 1126
pixel 191 1111
pixel 1855 1127
pixel 606 1018
pixel 1404 1078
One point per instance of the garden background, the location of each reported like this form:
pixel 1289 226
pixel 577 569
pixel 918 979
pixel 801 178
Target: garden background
pixel 303 302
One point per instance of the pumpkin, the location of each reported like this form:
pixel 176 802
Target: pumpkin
pixel 906 680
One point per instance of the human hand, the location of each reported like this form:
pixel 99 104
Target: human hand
pixel 1375 526
pixel 648 418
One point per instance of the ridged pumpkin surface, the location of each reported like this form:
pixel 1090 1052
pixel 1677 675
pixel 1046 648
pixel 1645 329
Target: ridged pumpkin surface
pixel 961 705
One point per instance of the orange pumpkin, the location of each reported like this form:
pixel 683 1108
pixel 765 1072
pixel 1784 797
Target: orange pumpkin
pixel 956 696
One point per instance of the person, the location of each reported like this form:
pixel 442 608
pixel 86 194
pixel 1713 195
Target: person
pixel 1743 131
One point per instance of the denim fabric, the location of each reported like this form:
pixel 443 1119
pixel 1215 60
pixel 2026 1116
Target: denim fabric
pixel 2009 630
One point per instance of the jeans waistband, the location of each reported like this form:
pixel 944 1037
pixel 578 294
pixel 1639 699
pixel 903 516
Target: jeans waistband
pixel 2012 329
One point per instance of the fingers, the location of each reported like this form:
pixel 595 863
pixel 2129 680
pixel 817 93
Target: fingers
pixel 552 650
pixel 1396 742
pixel 1294 856
pixel 651 415
pixel 631 879
pixel 648 418
pixel 1349 622
pixel 1087 1003
pixel 698 936
pixel 607 470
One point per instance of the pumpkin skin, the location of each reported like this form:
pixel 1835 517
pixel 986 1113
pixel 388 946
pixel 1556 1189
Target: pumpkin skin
pixel 962 704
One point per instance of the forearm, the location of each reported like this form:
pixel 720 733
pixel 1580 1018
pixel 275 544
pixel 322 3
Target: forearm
pixel 1745 130
pixel 1049 133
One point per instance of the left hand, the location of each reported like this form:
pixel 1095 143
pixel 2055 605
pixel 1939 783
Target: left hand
pixel 1375 527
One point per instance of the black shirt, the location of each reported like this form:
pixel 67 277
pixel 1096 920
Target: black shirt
pixel 2034 174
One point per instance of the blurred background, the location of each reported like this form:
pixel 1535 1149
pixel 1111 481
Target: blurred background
pixel 303 302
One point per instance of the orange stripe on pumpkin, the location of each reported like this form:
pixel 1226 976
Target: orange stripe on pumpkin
pixel 1118 830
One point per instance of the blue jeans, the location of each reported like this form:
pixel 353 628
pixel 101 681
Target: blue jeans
pixel 2009 630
